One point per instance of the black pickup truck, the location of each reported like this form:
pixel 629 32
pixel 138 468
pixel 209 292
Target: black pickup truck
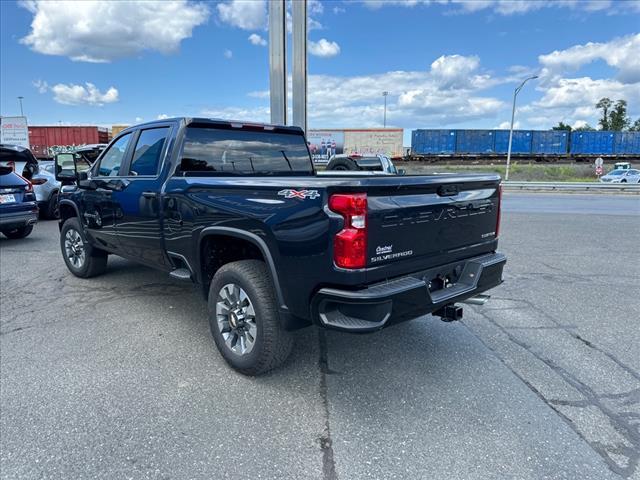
pixel 237 209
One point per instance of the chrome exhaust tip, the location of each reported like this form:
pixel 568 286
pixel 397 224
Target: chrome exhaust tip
pixel 477 300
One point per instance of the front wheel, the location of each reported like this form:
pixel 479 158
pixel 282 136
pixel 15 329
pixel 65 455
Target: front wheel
pixel 19 232
pixel 81 258
pixel 244 319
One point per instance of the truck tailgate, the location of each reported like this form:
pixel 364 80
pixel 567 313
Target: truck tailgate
pixel 432 222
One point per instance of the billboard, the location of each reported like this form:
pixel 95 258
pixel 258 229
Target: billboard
pixel 376 141
pixel 373 141
pixel 325 143
pixel 14 131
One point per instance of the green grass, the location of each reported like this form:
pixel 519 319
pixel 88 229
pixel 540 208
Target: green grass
pixel 529 172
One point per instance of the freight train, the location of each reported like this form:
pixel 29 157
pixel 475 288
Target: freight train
pixel 537 145
pixel 46 141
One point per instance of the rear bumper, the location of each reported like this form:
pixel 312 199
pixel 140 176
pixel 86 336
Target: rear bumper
pixel 407 297
pixel 18 219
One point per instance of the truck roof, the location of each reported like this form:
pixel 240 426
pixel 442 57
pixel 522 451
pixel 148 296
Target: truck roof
pixel 220 122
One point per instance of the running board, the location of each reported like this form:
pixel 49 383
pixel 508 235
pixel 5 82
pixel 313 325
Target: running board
pixel 181 274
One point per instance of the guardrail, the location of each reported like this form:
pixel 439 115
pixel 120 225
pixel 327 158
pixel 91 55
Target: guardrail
pixel 574 187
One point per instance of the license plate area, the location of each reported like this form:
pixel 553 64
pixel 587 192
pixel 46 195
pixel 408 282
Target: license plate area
pixel 7 198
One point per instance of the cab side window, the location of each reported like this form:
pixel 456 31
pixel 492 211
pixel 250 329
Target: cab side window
pixel 149 147
pixel 112 161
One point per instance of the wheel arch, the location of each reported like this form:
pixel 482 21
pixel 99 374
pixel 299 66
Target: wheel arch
pixel 250 238
pixel 68 209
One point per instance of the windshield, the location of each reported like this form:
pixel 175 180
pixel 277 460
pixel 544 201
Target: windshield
pixel 617 172
pixel 242 152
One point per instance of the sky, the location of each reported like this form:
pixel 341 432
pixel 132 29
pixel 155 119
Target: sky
pixel 445 63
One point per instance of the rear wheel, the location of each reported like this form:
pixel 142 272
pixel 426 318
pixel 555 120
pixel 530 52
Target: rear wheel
pixel 244 319
pixel 81 258
pixel 19 232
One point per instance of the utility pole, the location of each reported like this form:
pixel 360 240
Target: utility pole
pixel 299 56
pixel 277 61
pixel 384 122
pixel 21 111
pixel 513 114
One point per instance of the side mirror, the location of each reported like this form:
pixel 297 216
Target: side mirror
pixel 65 164
pixel 402 171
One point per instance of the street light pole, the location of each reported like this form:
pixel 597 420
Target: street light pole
pixel 21 111
pixel 384 94
pixel 513 114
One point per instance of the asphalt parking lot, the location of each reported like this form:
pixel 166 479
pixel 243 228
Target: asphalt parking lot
pixel 118 377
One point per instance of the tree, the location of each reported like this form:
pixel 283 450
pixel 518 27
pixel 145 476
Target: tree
pixel 618 119
pixel 585 128
pixel 562 126
pixel 604 104
pixel 635 127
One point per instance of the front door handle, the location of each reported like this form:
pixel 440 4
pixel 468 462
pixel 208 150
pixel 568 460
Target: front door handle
pixel 149 194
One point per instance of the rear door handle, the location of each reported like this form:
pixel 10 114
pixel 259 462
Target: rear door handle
pixel 149 194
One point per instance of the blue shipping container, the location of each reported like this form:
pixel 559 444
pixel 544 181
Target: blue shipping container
pixel 549 142
pixel 475 141
pixel 626 143
pixel 592 143
pixel 521 142
pixel 425 142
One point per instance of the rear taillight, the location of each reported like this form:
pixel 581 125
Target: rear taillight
pixel 499 210
pixel 350 243
pixel 28 188
pixel 38 181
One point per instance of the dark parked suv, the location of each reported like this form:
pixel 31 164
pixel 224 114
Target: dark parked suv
pixel 18 206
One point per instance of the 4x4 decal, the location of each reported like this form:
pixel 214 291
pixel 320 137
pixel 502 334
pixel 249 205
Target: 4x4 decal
pixel 291 193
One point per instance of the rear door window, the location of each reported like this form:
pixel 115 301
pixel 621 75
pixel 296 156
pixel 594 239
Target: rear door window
pixel 146 156
pixel 242 152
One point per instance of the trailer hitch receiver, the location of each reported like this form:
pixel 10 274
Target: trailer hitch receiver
pixel 449 313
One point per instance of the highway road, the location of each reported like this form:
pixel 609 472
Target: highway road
pixel 117 376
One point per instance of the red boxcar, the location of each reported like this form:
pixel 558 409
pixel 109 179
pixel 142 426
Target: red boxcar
pixel 47 141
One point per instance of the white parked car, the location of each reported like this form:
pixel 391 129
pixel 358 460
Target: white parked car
pixel 630 175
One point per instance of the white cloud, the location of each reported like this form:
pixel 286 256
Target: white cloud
pixel 454 71
pixel 324 48
pixel 247 15
pixel 256 114
pixel 515 7
pixel 87 94
pixel 429 98
pixel 162 116
pixel 622 53
pixel 228 54
pixel 338 10
pixel 138 119
pixel 41 86
pixel 104 31
pixel 256 39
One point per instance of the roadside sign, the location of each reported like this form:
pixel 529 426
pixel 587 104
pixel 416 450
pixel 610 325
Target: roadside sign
pixel 14 131
pixel 599 162
pixel 599 170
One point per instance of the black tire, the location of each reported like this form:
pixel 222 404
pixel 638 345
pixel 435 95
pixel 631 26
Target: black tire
pixel 343 164
pixel 52 212
pixel 19 232
pixel 95 260
pixel 272 343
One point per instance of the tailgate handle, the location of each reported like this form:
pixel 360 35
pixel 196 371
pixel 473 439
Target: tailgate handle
pixel 448 190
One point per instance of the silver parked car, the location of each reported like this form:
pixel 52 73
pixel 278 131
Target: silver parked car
pixel 46 188
pixel 630 175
